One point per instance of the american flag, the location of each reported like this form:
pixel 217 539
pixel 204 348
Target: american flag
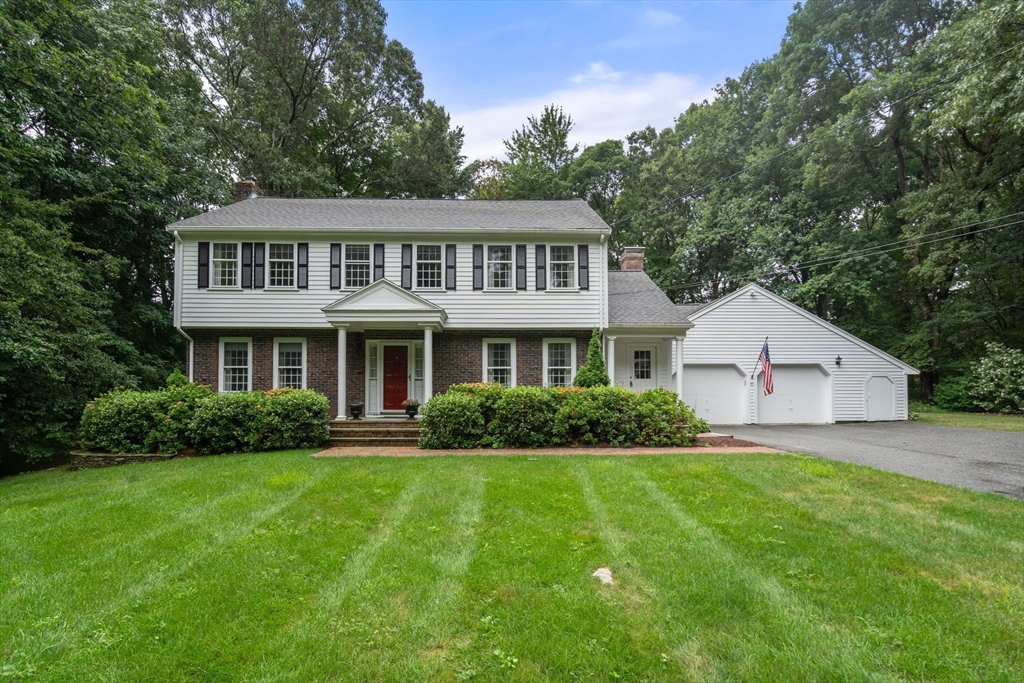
pixel 766 366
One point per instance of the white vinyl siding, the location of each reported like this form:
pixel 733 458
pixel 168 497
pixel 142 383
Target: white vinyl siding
pixel 500 361
pixel 235 364
pixel 466 308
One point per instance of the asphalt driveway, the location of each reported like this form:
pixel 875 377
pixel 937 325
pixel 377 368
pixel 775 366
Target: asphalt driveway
pixel 979 459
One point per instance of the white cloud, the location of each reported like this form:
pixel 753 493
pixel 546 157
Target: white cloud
pixel 598 71
pixel 601 110
pixel 659 18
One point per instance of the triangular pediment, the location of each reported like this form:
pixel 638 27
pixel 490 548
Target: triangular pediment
pixel 382 295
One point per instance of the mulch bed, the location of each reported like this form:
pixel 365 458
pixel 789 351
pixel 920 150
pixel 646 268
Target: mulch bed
pixel 725 442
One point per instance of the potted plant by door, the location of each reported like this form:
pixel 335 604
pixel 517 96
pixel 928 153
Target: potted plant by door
pixel 412 406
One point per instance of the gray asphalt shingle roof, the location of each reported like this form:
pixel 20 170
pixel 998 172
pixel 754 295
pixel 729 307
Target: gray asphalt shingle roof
pixel 315 214
pixel 634 299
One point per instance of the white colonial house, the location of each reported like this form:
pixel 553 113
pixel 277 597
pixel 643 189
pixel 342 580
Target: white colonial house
pixel 375 301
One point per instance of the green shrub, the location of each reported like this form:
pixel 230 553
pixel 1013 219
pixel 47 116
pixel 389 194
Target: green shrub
pixel 999 379
pixel 594 373
pixel 128 421
pixel 487 392
pixel 259 421
pixel 522 417
pixel 661 419
pixel 955 393
pixel 453 420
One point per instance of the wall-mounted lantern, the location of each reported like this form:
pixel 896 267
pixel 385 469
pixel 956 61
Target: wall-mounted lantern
pixel 839 360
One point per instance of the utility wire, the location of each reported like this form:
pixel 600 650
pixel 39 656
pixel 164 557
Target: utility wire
pixel 839 126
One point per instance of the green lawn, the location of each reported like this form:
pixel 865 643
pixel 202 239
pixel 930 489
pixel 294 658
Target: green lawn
pixel 281 567
pixel 937 416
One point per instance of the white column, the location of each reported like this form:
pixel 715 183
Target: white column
pixel 679 366
pixel 609 361
pixel 342 349
pixel 428 363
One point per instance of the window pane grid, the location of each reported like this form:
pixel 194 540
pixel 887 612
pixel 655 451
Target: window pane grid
pixel 357 265
pixel 428 266
pixel 563 267
pixel 642 364
pixel 499 363
pixel 225 265
pixel 281 262
pixel 499 267
pixel 559 364
pixel 236 366
pixel 289 365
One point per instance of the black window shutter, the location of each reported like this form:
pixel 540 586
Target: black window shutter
pixel 247 265
pixel 584 270
pixel 406 266
pixel 520 266
pixel 542 279
pixel 204 265
pixel 378 262
pixel 478 266
pixel 258 249
pixel 335 266
pixel 302 267
pixel 449 266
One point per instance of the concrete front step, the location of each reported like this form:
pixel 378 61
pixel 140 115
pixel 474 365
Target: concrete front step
pixel 397 432
pixel 371 441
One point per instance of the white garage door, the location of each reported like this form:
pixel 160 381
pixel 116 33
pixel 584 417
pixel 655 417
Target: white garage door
pixel 801 396
pixel 880 397
pixel 715 392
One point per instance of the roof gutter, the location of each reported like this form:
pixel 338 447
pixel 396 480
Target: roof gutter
pixel 178 254
pixel 326 229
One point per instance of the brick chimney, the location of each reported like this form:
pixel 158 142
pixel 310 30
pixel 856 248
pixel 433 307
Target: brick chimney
pixel 246 189
pixel 632 258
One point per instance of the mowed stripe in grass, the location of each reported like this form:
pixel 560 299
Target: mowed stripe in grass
pixel 288 568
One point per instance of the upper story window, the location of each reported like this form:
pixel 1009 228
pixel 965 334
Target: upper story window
pixel 225 264
pixel 281 265
pixel 357 265
pixel 563 267
pixel 428 266
pixel 499 267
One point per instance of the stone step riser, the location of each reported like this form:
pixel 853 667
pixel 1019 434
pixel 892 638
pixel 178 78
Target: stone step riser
pixel 376 443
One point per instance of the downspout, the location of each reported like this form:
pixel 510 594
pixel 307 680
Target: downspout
pixel 179 253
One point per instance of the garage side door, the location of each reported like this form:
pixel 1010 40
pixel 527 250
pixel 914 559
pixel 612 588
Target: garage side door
pixel 801 396
pixel 715 392
pixel 880 395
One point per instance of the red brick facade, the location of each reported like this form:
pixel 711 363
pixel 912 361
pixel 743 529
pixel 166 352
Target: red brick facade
pixel 458 356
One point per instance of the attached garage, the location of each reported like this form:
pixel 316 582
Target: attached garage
pixel 821 373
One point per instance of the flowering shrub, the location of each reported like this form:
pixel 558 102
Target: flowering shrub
pixel 410 402
pixel 999 379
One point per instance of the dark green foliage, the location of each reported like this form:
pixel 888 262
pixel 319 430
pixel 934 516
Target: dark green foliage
pixel 522 417
pixel 535 417
pixel 955 393
pixel 127 421
pixel 594 373
pixel 453 419
pixel 260 421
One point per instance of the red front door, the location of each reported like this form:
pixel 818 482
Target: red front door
pixel 396 376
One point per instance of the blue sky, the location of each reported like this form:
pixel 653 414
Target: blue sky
pixel 614 66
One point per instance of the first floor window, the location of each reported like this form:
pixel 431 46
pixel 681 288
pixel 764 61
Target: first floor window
pixel 281 264
pixel 225 264
pixel 290 364
pixel 499 361
pixel 559 362
pixel 235 365
pixel 499 267
pixel 563 267
pixel 428 266
pixel 357 265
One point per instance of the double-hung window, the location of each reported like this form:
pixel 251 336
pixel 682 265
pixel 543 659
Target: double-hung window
pixel 563 267
pixel 225 264
pixel 357 265
pixel 499 267
pixel 289 363
pixel 428 266
pixel 281 265
pixel 235 364
pixel 500 361
pixel 559 362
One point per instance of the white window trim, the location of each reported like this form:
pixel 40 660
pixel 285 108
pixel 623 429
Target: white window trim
pixel 238 267
pixel 512 273
pixel 345 262
pixel 277 358
pixel 575 287
pixel 220 363
pixel 572 358
pixel 295 267
pixel 512 348
pixel 416 267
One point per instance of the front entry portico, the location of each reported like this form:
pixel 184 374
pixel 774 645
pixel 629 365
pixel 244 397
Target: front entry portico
pixel 395 369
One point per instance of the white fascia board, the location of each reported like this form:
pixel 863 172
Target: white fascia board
pixel 218 231
pixel 647 330
pixel 910 370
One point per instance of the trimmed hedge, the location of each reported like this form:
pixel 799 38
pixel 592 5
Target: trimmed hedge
pixel 489 415
pixel 184 416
